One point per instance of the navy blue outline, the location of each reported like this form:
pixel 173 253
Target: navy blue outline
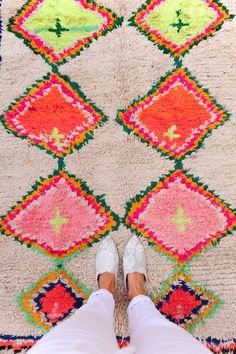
pixel 209 340
pixel 182 285
pixel 78 300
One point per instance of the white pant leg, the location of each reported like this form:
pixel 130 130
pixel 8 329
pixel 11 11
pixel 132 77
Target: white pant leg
pixel 88 331
pixel 152 333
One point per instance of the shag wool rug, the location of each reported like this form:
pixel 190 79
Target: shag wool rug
pixel 118 117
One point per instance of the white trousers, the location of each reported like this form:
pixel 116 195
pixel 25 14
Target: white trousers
pixel 90 331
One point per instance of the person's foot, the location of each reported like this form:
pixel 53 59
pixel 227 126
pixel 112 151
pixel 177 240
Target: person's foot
pixel 136 285
pixel 107 281
pixel 134 264
pixel 107 265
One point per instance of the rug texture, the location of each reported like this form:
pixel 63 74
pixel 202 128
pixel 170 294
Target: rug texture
pixel 118 117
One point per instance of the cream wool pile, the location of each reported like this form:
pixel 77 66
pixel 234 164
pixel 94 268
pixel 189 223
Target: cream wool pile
pixel 118 117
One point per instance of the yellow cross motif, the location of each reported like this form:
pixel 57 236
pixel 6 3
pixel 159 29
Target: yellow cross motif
pixel 171 133
pixel 58 221
pixel 180 220
pixel 57 137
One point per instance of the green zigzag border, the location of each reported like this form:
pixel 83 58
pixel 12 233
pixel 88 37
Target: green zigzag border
pixel 155 87
pixel 144 192
pixel 162 47
pixel 186 271
pixel 76 87
pixel 99 199
pixel 117 23
pixel 61 164
pixel 31 287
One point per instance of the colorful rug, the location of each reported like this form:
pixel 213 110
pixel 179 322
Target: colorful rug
pixel 118 117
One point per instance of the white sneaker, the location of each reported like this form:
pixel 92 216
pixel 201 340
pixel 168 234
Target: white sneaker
pixel 107 258
pixel 134 258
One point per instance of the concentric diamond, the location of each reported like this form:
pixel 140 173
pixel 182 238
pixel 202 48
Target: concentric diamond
pixel 53 114
pixel 54 297
pixel 61 29
pixel 179 216
pixel 59 217
pixel 176 25
pixel 174 116
pixel 185 302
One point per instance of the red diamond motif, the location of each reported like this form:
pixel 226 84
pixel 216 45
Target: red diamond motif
pixel 54 297
pixel 185 302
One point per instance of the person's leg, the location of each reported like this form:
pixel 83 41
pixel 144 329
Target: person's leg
pixel 88 331
pixel 152 333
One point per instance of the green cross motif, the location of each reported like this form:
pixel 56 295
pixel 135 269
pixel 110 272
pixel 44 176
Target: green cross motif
pixel 181 220
pixel 58 221
pixel 171 133
pixel 56 137
pixel 180 23
pixel 59 28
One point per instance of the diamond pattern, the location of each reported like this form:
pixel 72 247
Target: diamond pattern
pixel 174 208
pixel 62 29
pixel 176 25
pixel 60 217
pixel 184 302
pixel 174 116
pixel 54 297
pixel 54 115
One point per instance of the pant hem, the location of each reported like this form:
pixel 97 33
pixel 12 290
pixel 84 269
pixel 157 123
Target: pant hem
pixel 138 299
pixel 105 294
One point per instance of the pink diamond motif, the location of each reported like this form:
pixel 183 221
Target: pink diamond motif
pixel 59 217
pixel 180 217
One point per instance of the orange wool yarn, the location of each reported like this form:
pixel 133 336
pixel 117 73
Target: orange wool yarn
pixel 184 111
pixel 52 110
